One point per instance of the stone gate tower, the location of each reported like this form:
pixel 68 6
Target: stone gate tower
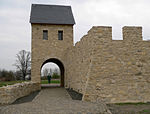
pixel 52 34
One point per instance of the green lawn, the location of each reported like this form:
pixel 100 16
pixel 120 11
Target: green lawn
pixel 52 81
pixel 146 111
pixel 9 83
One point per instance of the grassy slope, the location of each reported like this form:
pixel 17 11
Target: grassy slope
pixel 9 83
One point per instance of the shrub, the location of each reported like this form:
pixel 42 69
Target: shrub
pixel 55 76
pixel 44 78
pixel 7 75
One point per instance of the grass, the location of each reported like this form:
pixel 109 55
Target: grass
pixel 146 111
pixel 9 83
pixel 52 81
pixel 139 103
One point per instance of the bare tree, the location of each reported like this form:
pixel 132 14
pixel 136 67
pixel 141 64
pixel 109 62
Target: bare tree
pixel 45 72
pixel 23 62
pixel 50 71
pixel 56 71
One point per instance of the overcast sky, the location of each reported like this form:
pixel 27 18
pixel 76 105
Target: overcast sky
pixel 15 29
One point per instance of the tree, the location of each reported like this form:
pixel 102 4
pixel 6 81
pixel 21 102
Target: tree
pixel 56 71
pixel 23 62
pixel 18 75
pixel 45 72
pixel 56 74
pixel 6 75
pixel 50 71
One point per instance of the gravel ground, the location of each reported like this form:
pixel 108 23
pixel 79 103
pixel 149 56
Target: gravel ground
pixel 55 101
pixel 44 86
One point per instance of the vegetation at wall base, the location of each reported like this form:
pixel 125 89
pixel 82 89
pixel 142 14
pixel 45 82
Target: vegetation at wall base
pixel 138 103
pixel 145 111
pixel 5 83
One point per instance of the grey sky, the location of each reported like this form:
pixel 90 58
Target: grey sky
pixel 49 66
pixel 15 29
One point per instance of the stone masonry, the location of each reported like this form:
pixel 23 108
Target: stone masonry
pixel 100 68
pixel 43 50
pixel 109 70
pixel 8 94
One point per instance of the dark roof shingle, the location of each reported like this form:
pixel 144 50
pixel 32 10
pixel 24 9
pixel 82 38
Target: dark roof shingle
pixel 51 14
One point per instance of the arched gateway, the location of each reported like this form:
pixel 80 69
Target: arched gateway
pixel 52 34
pixel 61 67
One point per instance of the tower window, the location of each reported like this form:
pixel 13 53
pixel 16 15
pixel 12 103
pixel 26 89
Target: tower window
pixel 60 35
pixel 45 34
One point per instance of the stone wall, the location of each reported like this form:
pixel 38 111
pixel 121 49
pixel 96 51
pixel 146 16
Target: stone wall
pixel 109 70
pixel 78 59
pixel 43 50
pixel 8 94
pixel 100 68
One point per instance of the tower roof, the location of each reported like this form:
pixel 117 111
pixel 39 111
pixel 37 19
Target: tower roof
pixel 51 14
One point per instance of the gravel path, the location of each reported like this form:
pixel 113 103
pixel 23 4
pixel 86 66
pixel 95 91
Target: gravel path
pixel 50 85
pixel 55 101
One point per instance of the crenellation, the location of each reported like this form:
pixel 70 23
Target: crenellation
pixel 112 69
pixel 132 33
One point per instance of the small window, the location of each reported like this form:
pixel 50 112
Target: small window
pixel 60 35
pixel 45 34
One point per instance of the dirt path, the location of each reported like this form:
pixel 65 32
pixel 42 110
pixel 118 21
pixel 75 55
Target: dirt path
pixel 54 101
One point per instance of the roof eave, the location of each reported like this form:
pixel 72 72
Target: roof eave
pixel 53 23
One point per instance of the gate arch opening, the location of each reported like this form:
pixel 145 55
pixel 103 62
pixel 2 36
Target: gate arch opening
pixel 61 67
